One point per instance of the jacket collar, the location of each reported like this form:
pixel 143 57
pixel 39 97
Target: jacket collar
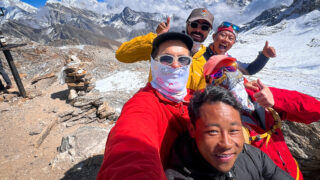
pixel 200 52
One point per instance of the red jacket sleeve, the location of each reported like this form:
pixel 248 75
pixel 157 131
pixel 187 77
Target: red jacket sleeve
pixel 133 145
pixel 295 106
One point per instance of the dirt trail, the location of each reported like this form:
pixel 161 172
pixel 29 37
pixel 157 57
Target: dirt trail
pixel 19 120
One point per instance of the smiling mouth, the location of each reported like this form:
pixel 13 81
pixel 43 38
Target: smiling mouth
pixel 222 47
pixel 224 157
pixel 197 36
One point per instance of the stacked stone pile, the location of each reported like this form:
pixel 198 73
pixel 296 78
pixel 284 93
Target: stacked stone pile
pixel 76 77
pixel 90 106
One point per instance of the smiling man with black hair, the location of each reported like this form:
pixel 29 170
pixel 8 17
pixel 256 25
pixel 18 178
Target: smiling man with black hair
pixel 214 147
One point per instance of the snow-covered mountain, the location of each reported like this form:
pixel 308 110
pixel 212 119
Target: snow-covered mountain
pixel 291 26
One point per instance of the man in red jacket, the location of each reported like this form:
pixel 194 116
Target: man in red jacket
pixel 260 110
pixel 139 144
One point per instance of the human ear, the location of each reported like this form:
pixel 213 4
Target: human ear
pixel 191 129
pixel 214 35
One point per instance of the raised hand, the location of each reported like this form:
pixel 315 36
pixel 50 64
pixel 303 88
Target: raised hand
pixel 269 51
pixel 264 97
pixel 163 27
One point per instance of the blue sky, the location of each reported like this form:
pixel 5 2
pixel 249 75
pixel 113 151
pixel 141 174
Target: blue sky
pixel 39 3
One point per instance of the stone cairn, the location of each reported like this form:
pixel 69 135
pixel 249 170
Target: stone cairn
pixel 76 77
pixel 90 106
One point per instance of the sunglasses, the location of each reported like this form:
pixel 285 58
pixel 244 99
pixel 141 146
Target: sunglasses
pixel 168 60
pixel 204 27
pixel 218 74
pixel 228 24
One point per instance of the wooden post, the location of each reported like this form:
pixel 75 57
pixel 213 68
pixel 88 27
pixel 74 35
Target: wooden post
pixel 15 73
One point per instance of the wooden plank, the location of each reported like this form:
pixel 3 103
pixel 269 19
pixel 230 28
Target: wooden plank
pixel 10 46
pixel 45 132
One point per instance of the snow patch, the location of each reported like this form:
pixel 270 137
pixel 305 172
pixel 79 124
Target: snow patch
pixel 72 46
pixel 121 81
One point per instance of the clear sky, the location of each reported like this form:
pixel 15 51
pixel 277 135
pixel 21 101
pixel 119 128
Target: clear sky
pixel 39 3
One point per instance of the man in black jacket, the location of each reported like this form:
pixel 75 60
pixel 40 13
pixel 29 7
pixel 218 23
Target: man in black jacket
pixel 214 147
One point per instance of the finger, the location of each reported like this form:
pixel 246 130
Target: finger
pixel 273 52
pixel 266 44
pixel 251 87
pixel 259 95
pixel 260 84
pixel 168 21
pixel 162 25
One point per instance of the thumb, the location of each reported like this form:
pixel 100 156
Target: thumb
pixel 266 44
pixel 260 84
pixel 168 21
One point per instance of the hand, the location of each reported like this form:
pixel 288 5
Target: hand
pixel 264 97
pixel 163 27
pixel 269 51
pixel 252 85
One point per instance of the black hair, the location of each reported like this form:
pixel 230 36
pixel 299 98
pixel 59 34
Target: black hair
pixel 170 36
pixel 155 49
pixel 210 95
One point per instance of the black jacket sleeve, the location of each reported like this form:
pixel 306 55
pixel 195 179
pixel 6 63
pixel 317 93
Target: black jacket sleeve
pixel 257 65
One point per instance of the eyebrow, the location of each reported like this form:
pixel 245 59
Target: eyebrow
pixel 232 124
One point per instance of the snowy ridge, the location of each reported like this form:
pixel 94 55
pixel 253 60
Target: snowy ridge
pixel 289 25
pixel 297 42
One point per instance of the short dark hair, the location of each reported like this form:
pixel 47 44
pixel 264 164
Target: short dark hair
pixel 210 95
pixel 184 38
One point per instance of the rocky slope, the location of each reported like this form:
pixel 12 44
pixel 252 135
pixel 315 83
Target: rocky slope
pixel 76 130
pixel 274 16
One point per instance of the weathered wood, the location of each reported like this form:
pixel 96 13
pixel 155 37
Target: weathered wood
pixel 10 46
pixel 46 76
pixel 15 73
pixel 45 132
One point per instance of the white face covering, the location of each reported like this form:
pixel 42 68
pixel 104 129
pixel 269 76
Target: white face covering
pixel 235 84
pixel 171 82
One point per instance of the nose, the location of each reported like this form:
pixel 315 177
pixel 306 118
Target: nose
pixel 225 141
pixel 175 64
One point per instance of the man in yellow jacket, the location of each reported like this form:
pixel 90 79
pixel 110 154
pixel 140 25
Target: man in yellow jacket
pixel 198 26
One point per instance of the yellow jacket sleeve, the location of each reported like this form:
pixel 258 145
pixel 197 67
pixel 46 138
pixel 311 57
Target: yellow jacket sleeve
pixel 137 49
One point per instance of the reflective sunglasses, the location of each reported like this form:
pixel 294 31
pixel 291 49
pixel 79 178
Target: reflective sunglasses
pixel 228 24
pixel 204 27
pixel 168 60
pixel 220 72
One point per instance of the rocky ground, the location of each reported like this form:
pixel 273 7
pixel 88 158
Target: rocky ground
pixel 73 134
pixel 50 135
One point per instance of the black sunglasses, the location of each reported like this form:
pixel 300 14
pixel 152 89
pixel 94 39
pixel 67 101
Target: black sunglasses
pixel 168 59
pixel 204 27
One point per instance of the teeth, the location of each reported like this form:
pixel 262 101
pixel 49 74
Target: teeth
pixel 224 155
pixel 222 47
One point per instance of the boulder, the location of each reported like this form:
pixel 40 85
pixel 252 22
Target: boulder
pixel 304 142
pixel 72 94
pixel 104 111
pixel 85 142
